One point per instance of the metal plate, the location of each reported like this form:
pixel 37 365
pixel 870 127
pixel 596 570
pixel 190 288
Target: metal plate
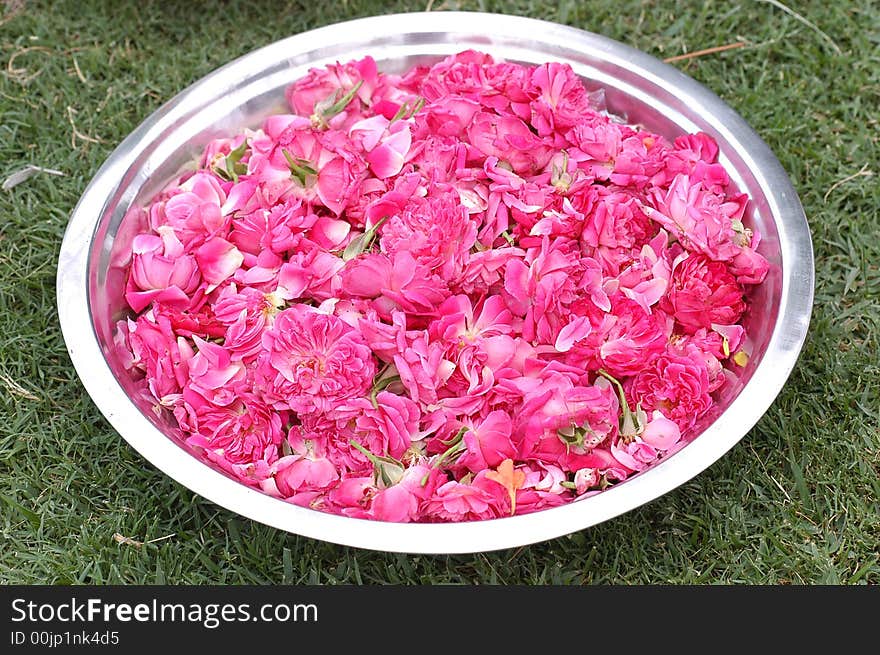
pixel 94 254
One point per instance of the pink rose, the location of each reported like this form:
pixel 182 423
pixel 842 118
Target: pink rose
pixel 319 84
pixel 454 501
pixel 194 212
pixel 306 469
pixel 703 292
pixel 402 502
pixel 488 442
pixel 395 282
pixel 161 271
pixel 237 434
pixel 677 384
pixel 158 354
pixel 437 231
pixel 389 427
pixel 314 362
pixel 562 100
pixel 509 139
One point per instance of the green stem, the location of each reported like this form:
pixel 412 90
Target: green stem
pixel 386 469
pixel 456 445
pixel 330 107
pixel 299 168
pixel 629 417
pixel 380 385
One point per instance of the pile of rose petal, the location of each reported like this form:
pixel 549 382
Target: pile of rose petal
pixel 461 293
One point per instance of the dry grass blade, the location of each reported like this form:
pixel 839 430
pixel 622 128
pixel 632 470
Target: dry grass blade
pixel 79 73
pixel 863 172
pixel 20 75
pixel 24 174
pixel 798 17
pixel 76 133
pixel 706 51
pixel 128 541
pixel 16 389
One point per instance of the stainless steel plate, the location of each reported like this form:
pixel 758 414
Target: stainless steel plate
pixel 637 86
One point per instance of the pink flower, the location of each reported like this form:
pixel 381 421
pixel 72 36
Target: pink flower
pixel 459 323
pixel 213 373
pixel 161 271
pixel 271 229
pixel 387 144
pixel 634 338
pixel 217 260
pixel 485 269
pixel 616 220
pixel 331 437
pixel 193 212
pixel 352 496
pixel 321 84
pixel 195 321
pixel 393 201
pixel 322 167
pixel 448 116
pixel 395 282
pixel 457 75
pixel 314 362
pixel 401 503
pixel 748 266
pixel 640 162
pixel 309 274
pixel 702 220
pixel 162 357
pixel 454 501
pixel 306 469
pixel 509 139
pixel 389 426
pixel 423 369
pixel 695 155
pixel 396 504
pixel 540 289
pixel 645 278
pixel 488 442
pixel 635 455
pixel 236 435
pixel 562 101
pixel 585 479
pixel 258 308
pixel 437 231
pixel 676 384
pixel 597 144
pixel 384 340
pixel 574 417
pixel 703 292
pixel 660 432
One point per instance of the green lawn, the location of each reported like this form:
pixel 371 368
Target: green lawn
pixel 795 502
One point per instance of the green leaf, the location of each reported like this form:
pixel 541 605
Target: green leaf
pixel 407 111
pixel 386 470
pixel 330 107
pixel 362 242
pixel 301 169
pixel 232 166
pixel 456 447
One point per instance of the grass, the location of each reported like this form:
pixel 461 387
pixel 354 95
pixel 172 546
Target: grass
pixel 795 502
